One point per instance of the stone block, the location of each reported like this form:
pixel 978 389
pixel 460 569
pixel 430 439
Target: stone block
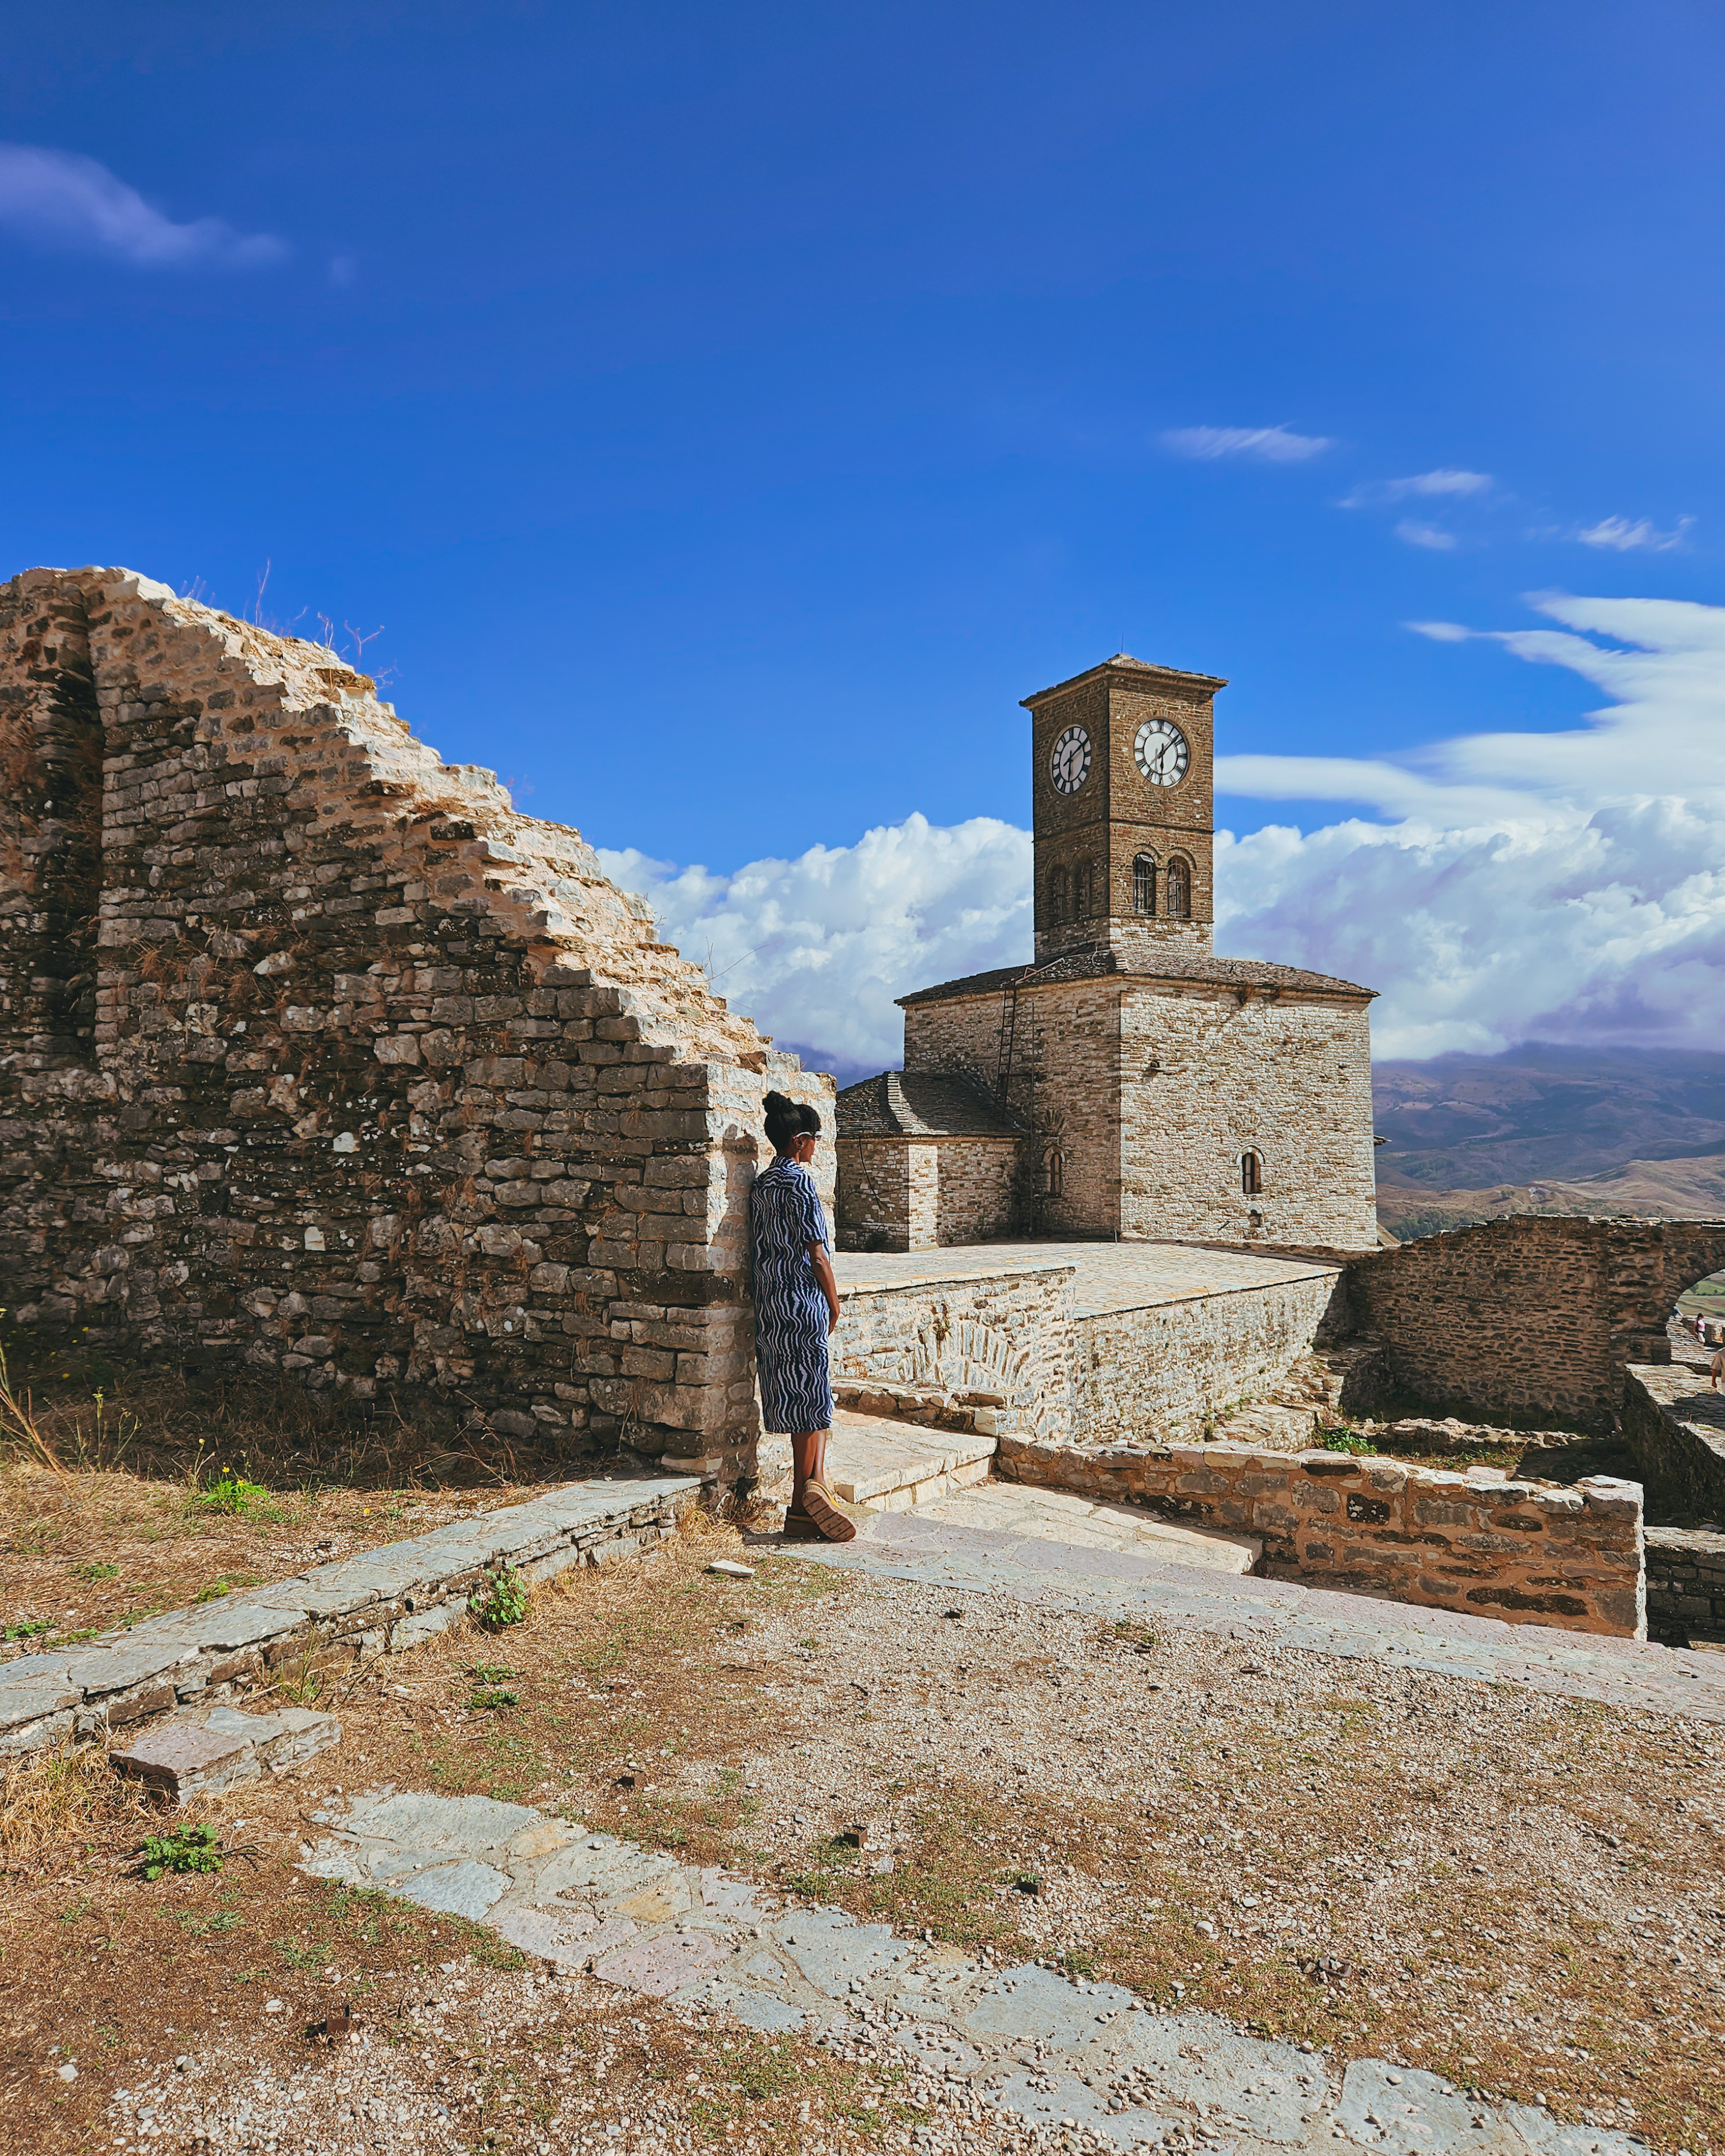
pixel 200 1753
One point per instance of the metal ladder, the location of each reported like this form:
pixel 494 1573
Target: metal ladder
pixel 1008 1028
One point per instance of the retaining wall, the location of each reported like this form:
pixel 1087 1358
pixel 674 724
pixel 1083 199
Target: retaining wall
pixel 1141 1373
pixel 1675 1423
pixel 1007 1337
pixel 376 1604
pixel 1686 1585
pixel 1567 1557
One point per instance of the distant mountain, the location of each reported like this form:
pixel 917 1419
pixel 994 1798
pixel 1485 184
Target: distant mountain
pixel 1460 1124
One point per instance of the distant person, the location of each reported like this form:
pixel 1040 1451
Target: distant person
pixel 1718 1368
pixel 796 1309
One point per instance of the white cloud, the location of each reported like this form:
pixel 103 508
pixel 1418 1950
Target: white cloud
pixel 61 200
pixel 1415 533
pixel 1444 482
pixel 815 949
pixel 1565 886
pixel 1622 538
pixel 1274 445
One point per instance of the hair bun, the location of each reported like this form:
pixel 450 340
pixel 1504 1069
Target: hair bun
pixel 776 1103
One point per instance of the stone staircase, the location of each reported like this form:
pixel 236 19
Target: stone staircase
pixel 881 1464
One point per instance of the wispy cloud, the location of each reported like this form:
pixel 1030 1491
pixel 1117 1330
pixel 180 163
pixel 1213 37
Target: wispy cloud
pixel 1446 481
pixel 1641 536
pixel 1414 533
pixel 1274 445
pixel 57 199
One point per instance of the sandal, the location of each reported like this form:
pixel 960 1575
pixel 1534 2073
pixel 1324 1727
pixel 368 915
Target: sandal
pixel 798 1528
pixel 817 1506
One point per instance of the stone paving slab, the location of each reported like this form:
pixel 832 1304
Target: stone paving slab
pixel 1081 1522
pixel 873 1459
pixel 1122 1582
pixel 1105 1276
pixel 382 1601
pixel 197 1752
pixel 1027 2042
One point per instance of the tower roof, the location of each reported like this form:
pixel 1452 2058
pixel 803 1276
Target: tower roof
pixel 1123 663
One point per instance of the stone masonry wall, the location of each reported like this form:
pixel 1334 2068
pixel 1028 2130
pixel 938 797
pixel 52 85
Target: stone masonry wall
pixel 326 1060
pixel 1210 1074
pixel 888 1194
pixel 1532 1317
pixel 1064 1086
pixel 976 1193
pixel 1567 1557
pixel 1143 1373
pixel 1686 1585
pixel 1006 1339
pixel 1675 1423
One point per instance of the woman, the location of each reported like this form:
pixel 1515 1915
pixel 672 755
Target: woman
pixel 796 1307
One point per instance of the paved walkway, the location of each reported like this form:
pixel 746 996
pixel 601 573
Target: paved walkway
pixel 1028 2043
pixel 1014 1555
pixel 1062 1518
pixel 1106 1276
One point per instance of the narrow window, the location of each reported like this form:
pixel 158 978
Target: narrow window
pixel 1178 885
pixel 1251 1174
pixel 1144 884
pixel 1057 1167
pixel 1057 896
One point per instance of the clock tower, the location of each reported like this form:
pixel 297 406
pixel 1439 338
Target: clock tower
pixel 1122 773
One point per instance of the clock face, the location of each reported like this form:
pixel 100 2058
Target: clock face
pixel 1069 766
pixel 1161 753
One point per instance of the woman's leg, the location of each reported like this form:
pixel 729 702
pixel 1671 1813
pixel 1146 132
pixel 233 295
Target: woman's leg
pixel 808 1462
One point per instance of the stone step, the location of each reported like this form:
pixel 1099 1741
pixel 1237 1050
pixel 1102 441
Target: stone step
pixel 885 1465
pixel 1076 1522
pixel 191 1754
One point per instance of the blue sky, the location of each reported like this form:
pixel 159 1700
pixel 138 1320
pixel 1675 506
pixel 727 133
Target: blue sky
pixel 729 415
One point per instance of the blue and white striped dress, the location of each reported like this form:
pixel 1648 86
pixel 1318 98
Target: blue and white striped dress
pixel 785 1217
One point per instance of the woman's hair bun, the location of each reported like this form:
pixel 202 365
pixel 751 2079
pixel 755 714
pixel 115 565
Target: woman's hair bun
pixel 788 1119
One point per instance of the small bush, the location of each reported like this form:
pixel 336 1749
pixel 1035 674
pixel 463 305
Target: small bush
pixel 1343 1437
pixel 186 1849
pixel 499 1599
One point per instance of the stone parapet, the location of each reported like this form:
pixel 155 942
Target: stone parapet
pixel 1571 1558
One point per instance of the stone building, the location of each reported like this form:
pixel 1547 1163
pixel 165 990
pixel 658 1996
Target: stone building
pixel 925 1158
pixel 1163 1091
pixel 315 1057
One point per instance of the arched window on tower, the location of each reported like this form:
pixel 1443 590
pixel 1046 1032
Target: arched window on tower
pixel 1144 884
pixel 1251 1174
pixel 1057 896
pixel 1177 884
pixel 1056 1174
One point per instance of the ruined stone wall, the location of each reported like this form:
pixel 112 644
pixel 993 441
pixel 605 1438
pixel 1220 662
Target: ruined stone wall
pixel 1533 1318
pixel 1144 1374
pixel 1007 1337
pixel 382 1085
pixel 1209 1077
pixel 1567 1557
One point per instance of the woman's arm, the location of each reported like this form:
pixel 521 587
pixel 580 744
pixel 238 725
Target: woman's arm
pixel 823 1264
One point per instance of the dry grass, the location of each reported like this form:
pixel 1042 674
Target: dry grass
pixel 1515 1891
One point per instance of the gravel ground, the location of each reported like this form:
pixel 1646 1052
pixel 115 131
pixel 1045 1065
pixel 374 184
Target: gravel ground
pixel 1520 1892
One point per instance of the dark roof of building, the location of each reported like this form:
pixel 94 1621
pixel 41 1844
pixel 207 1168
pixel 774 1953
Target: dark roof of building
pixel 923 1104
pixel 1092 960
pixel 1123 662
